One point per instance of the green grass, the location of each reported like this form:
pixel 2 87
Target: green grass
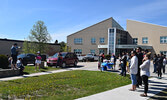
pixel 31 69
pixel 62 86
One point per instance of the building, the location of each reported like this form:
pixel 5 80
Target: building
pixel 6 44
pixel 148 35
pixel 109 37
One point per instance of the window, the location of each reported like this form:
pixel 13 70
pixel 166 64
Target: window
pixel 164 52
pixel 78 40
pixel 163 39
pixel 101 40
pixel 93 40
pixel 101 51
pixel 78 51
pixel 111 30
pixel 135 40
pixel 144 40
pixel 92 51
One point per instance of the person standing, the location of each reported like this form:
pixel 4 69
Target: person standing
pixel 128 62
pixel 140 59
pixel 133 70
pixel 14 53
pixel 160 65
pixel 59 59
pixel 123 64
pixel 145 72
pixel 113 60
pixel 155 63
pixel 38 61
pixel 164 63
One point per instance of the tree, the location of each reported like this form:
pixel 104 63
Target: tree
pixel 56 42
pixel 38 38
pixel 63 46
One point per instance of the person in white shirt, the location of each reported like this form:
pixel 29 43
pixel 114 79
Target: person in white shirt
pixel 133 70
pixel 145 72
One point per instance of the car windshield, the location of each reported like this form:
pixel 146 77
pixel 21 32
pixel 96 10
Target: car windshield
pixel 21 55
pixel 56 55
pixel 89 55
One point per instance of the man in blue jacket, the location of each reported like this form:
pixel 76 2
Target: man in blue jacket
pixel 14 53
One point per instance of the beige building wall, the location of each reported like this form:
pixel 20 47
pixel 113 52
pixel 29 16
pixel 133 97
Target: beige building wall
pixel 153 32
pixel 95 31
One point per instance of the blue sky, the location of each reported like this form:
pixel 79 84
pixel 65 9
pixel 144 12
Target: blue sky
pixel 64 17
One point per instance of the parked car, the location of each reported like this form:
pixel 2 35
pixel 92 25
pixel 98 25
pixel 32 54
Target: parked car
pixel 80 57
pixel 27 58
pixel 68 58
pixel 90 57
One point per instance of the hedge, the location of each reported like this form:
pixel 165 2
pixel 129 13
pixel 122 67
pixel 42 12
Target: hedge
pixel 4 62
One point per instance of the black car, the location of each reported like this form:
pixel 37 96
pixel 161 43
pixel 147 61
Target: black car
pixel 88 57
pixel 27 58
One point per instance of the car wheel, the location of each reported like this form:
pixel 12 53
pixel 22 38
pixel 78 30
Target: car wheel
pixel 63 65
pixel 75 63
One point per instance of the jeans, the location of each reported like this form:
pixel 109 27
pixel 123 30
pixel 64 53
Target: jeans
pixel 159 71
pixel 133 79
pixel 164 69
pixel 155 67
pixel 123 69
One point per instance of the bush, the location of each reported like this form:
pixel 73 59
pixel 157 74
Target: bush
pixel 4 62
pixel 107 57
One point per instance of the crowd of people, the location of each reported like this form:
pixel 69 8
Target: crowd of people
pixel 16 63
pixel 137 64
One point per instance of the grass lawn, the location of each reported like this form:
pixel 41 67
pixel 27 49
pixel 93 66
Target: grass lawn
pixel 62 86
pixel 31 69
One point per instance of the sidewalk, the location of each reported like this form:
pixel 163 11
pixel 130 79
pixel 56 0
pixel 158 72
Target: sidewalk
pixel 37 74
pixel 122 93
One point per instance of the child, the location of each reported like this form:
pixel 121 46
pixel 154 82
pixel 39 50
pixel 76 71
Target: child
pixel 10 62
pixel 38 61
pixel 20 66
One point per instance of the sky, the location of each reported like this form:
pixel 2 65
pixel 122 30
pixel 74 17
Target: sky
pixel 64 17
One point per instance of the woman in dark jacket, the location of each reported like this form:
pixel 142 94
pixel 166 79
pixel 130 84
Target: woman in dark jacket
pixel 160 65
pixel 155 63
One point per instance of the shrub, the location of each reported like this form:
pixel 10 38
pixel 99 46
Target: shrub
pixel 107 57
pixel 4 62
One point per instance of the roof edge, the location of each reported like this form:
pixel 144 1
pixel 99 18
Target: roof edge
pixel 5 39
pixel 90 26
pixel 145 23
